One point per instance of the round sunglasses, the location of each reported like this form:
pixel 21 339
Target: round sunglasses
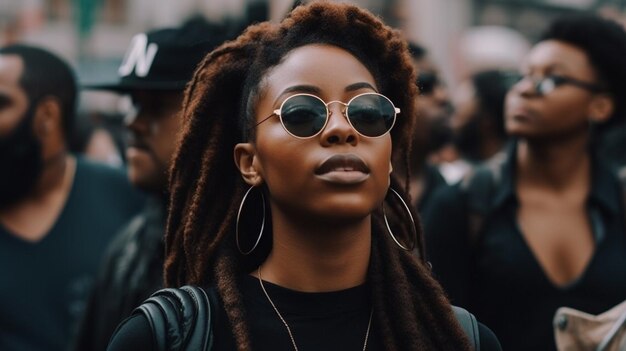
pixel 304 116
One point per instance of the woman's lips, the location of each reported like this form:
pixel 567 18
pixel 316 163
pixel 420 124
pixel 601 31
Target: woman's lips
pixel 520 113
pixel 343 169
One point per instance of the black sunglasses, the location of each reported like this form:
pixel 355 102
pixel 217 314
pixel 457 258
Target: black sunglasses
pixel 304 115
pixel 427 82
pixel 546 85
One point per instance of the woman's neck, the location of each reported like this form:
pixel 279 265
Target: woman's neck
pixel 318 256
pixel 557 165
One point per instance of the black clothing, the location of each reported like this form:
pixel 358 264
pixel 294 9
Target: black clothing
pixel 613 145
pixel 497 276
pixel 131 271
pixel 44 284
pixel 433 180
pixel 319 321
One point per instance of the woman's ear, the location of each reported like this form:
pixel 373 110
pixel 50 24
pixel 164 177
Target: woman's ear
pixel 246 162
pixel 601 108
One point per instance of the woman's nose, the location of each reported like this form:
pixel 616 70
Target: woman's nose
pixel 338 129
pixel 526 86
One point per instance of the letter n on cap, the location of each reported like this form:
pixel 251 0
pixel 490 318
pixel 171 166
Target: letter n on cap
pixel 139 57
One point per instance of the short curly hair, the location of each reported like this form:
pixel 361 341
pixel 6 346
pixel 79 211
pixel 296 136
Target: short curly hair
pixel 206 187
pixel 604 43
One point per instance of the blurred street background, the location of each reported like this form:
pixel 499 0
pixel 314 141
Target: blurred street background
pixel 461 36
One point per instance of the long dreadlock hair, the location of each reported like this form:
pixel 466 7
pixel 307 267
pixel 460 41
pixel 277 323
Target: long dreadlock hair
pixel 206 188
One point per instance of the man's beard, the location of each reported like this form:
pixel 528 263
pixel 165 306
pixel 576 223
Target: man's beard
pixel 21 161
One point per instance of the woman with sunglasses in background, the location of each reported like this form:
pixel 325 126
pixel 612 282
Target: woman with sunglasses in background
pixel 291 238
pixel 542 227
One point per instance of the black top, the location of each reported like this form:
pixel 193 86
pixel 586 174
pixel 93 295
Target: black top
pixel 319 321
pixel 44 284
pixel 131 271
pixel 433 180
pixel 498 278
pixel 613 145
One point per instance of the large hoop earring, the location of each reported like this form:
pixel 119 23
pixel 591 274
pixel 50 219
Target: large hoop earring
pixel 245 196
pixel 408 210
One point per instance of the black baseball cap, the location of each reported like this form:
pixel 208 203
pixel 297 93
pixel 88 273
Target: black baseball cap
pixel 164 59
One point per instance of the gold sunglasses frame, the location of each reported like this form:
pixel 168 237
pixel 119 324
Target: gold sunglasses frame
pixel 344 112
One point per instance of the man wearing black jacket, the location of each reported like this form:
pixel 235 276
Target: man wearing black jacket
pixel 154 72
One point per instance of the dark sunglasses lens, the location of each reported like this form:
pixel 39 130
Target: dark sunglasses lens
pixel 371 115
pixel 426 82
pixel 303 115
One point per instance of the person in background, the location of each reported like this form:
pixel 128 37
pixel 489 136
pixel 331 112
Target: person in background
pixel 280 185
pixel 542 227
pixel 133 266
pixel 431 133
pixel 434 108
pixel 478 119
pixel 57 211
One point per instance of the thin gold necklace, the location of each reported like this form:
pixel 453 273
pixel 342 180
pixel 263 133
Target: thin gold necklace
pixel 293 341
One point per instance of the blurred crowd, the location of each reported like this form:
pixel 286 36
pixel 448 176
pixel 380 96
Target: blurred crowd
pixel 517 169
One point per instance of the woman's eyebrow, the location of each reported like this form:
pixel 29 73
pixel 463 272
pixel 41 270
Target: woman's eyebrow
pixel 360 85
pixel 310 89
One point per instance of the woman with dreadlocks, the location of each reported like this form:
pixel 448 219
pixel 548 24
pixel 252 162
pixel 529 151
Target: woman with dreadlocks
pixel 293 238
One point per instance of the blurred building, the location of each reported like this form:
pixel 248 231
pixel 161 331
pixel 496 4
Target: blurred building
pixel 531 16
pixel 93 34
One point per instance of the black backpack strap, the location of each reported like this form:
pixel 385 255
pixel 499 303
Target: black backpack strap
pixel 469 324
pixel 180 319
